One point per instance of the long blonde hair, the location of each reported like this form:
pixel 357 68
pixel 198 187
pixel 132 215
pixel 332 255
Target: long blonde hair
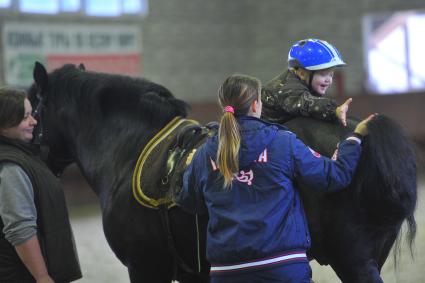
pixel 238 92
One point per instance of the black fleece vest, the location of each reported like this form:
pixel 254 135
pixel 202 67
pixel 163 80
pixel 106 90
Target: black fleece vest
pixel 53 226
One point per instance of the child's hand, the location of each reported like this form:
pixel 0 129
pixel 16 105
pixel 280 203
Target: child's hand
pixel 341 111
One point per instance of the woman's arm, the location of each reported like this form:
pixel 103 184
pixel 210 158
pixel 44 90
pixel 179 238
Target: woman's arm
pixel 324 174
pixel 30 254
pixel 19 216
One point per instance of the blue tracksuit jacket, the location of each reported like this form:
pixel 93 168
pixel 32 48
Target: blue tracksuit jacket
pixel 261 216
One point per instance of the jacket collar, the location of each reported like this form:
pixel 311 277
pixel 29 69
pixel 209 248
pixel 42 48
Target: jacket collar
pixel 27 147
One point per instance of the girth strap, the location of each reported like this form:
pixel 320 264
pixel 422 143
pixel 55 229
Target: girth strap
pixel 178 261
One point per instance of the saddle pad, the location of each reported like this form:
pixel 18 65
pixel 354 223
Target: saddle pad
pixel 149 186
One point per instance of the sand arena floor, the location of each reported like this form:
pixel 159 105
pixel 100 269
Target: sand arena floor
pixel 99 264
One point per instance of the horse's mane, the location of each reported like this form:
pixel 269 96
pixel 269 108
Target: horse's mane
pixel 394 166
pixel 109 95
pixel 386 188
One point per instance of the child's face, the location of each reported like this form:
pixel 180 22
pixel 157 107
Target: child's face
pixel 322 80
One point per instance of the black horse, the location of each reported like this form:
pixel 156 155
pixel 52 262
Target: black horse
pixel 103 121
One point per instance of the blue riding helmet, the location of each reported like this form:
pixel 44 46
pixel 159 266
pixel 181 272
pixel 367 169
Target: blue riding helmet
pixel 314 54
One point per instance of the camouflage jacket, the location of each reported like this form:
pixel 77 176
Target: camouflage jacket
pixel 286 97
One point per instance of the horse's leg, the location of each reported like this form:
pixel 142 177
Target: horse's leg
pixel 139 241
pixel 359 256
pixel 189 234
pixel 386 246
pixel 372 273
pixel 356 250
pixel 150 271
pixel 192 278
pixel 366 272
pixel 356 272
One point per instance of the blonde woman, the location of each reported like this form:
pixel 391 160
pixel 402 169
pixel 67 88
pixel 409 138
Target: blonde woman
pixel 244 178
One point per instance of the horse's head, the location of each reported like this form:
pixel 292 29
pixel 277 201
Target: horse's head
pixel 48 131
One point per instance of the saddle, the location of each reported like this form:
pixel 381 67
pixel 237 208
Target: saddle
pixel 159 170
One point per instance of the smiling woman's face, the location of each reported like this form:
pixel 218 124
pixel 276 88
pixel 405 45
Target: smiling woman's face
pixel 22 131
pixel 322 80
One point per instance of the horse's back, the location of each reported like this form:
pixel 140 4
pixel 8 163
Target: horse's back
pixel 320 135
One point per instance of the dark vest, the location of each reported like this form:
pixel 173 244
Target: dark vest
pixel 53 226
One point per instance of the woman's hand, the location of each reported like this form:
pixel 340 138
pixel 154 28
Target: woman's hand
pixel 341 111
pixel 361 128
pixel 45 279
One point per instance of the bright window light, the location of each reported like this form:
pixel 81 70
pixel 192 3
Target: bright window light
pixel 131 6
pixel 70 5
pixel 5 3
pixel 387 63
pixel 416 27
pixel 395 57
pixel 135 6
pixel 103 7
pixel 39 6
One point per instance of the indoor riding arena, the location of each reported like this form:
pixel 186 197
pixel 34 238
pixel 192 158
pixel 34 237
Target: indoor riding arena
pixel 184 49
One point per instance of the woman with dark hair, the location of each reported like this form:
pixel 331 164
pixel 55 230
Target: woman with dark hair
pixel 245 178
pixel 36 241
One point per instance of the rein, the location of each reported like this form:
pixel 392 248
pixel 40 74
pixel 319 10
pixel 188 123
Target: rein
pixel 58 163
pixel 38 115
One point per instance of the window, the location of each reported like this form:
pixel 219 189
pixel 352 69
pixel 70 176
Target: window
pixel 134 7
pixel 70 5
pixel 95 8
pixel 115 7
pixel 40 7
pixel 394 52
pixel 5 3
pixel 103 8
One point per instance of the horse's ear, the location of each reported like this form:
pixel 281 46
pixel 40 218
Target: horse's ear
pixel 82 67
pixel 40 75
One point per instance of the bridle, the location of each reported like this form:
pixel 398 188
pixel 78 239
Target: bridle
pixel 38 115
pixel 56 163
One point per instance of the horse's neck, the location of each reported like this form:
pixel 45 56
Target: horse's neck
pixel 107 157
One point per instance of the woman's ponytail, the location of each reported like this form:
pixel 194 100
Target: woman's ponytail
pixel 228 147
pixel 236 95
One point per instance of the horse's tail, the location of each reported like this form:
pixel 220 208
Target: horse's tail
pixel 385 183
